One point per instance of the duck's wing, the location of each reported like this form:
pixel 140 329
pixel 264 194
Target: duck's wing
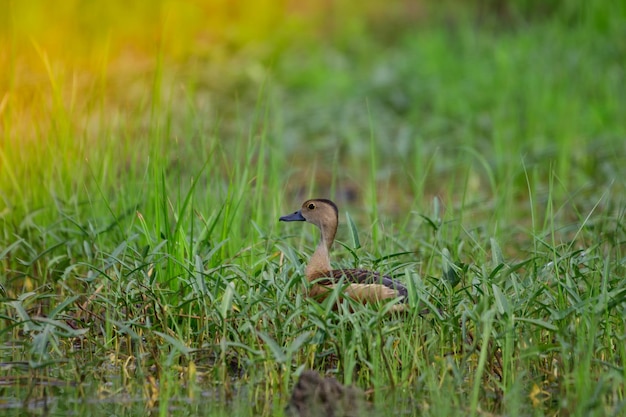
pixel 365 281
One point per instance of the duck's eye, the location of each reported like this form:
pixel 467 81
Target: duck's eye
pixel 311 206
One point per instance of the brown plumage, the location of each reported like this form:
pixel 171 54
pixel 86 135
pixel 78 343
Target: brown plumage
pixel 360 284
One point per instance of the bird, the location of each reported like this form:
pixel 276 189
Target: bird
pixel 362 285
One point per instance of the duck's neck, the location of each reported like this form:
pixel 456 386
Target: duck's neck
pixel 319 263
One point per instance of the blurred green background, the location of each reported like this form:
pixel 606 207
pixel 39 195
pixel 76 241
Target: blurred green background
pixel 511 80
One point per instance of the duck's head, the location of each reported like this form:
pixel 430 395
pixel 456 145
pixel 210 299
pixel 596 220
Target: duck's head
pixel 321 212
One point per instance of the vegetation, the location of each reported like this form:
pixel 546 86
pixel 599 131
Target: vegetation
pixel 146 156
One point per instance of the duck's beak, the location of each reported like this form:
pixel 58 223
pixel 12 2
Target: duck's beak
pixel 293 217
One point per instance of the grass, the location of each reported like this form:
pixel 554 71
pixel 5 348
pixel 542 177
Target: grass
pixel 143 266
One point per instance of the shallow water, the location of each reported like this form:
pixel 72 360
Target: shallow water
pixel 49 397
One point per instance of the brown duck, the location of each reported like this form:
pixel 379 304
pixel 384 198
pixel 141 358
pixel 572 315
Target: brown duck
pixel 360 284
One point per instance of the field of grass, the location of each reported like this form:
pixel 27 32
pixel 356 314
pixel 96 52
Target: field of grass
pixel 146 153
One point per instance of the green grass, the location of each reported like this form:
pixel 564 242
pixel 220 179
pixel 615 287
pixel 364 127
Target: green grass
pixel 143 267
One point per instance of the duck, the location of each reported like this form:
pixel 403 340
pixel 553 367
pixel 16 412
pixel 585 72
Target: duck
pixel 362 285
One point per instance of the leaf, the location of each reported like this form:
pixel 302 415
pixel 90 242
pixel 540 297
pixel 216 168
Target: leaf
pixel 390 256
pixel 497 269
pixel 501 301
pixel 23 314
pixel 243 346
pixel 298 341
pixel 60 325
pixel 354 234
pixel 9 248
pixel 227 300
pixel 432 223
pixel 437 209
pixel 496 252
pixel 215 249
pixel 115 255
pixel 608 300
pixel 450 271
pixel 61 307
pixel 43 254
pixel 125 328
pixel 276 350
pixel 177 344
pixel 539 323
